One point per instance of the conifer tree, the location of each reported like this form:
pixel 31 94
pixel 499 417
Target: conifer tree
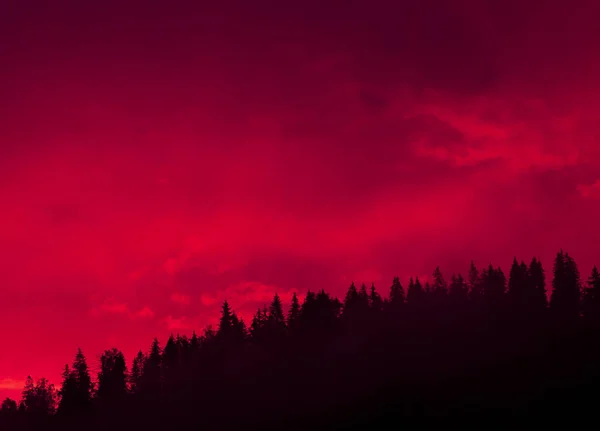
pixel 28 393
pixel 440 287
pixel 68 392
pixel 276 316
pixel 351 296
pixel 238 329
pixel 83 380
pixel 459 291
pixel 151 378
pixel 137 370
pixel 475 284
pixel 294 313
pixel 9 406
pixel 257 325
pixel 518 287
pixel 537 280
pixel 566 289
pixel 591 298
pixel 415 291
pixel 112 378
pixel 375 300
pixel 39 399
pixel 170 355
pixel 397 296
pixel 225 323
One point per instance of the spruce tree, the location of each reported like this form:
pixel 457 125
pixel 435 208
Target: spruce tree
pixel 294 313
pixel 537 280
pixel 68 392
pixel 459 291
pixel 137 370
pixel 415 292
pixel 475 284
pixel 566 289
pixel 112 378
pixel 84 383
pixel 591 298
pixel 397 296
pixel 225 323
pixel 375 300
pixel 276 315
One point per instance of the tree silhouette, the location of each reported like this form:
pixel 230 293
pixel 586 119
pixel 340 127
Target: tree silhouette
pixel 537 279
pixel 415 292
pixel 225 323
pixel 9 406
pixel 397 296
pixel 112 378
pixel 520 290
pixel 137 370
pixel 294 312
pixel 566 289
pixel 84 386
pixel 480 345
pixel 591 298
pixel 39 399
pixel 151 378
pixel 375 301
pixel 68 392
pixel 494 287
pixel 440 287
pixel 459 291
pixel 475 285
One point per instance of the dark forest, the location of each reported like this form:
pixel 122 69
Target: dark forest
pixel 484 348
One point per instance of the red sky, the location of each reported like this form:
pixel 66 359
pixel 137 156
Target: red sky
pixel 155 160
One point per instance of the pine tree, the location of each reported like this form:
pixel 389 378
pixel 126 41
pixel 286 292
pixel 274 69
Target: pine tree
pixel 494 286
pixel 9 406
pixel 39 399
pixel 225 322
pixel 397 296
pixel 566 289
pixel 194 343
pixel 239 330
pixel 276 311
pixel 439 287
pixel 518 293
pixel 257 326
pixel 83 380
pixel 170 355
pixel 151 382
pixel 537 280
pixel 294 313
pixel 375 301
pixel 68 392
pixel 112 378
pixel 415 291
pixel 137 370
pixel 459 291
pixel 363 296
pixel 351 296
pixel 28 394
pixel 591 298
pixel 475 284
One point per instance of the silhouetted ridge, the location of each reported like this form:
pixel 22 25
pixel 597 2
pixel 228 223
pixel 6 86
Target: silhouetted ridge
pixel 479 346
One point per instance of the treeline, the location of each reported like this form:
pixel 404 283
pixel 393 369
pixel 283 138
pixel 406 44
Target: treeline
pixel 484 344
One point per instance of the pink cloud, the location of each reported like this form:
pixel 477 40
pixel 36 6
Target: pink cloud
pixel 180 298
pixel 179 323
pixel 591 191
pixel 110 306
pixel 8 383
pixel 144 312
